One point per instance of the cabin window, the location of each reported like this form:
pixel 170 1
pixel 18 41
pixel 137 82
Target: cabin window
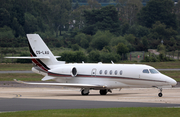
pixel 153 71
pixel 120 72
pixel 100 72
pixel 110 72
pixel 145 71
pixel 105 72
pixel 115 72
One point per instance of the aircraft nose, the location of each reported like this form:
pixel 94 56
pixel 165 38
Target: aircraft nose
pixel 172 81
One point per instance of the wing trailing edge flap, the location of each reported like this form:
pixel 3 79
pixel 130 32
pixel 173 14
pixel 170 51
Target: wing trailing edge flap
pixel 63 84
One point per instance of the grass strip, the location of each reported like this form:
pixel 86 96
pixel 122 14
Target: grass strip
pixel 15 67
pixel 101 112
pixel 173 74
pixel 20 76
pixel 163 65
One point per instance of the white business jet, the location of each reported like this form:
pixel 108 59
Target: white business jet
pixel 89 76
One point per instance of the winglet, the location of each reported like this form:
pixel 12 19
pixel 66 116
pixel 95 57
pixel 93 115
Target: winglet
pixel 18 81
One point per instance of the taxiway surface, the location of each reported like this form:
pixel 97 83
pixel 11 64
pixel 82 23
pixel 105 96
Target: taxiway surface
pixel 19 97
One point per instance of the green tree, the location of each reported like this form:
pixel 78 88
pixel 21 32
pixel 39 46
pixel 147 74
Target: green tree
pixel 93 4
pixel 76 17
pixel 116 40
pixel 79 37
pixel 177 12
pixel 161 48
pixel 84 43
pixel 130 38
pixel 101 39
pixel 138 30
pixel 76 5
pixel 31 24
pixel 145 43
pixel 73 56
pixel 6 33
pixel 19 31
pixel 4 17
pixel 108 57
pixel 94 56
pixel 128 10
pixel 160 31
pixel 75 47
pixel 104 19
pixel 124 28
pixel 158 10
pixel 122 49
pixel 60 14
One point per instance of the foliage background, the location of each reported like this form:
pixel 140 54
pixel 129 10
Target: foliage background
pixel 91 30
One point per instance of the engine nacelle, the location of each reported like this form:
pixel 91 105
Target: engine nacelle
pixel 38 71
pixel 69 70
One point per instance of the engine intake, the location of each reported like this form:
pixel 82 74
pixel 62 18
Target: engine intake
pixel 74 72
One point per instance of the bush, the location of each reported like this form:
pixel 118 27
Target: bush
pixel 101 39
pixel 6 33
pixel 73 56
pixel 154 58
pixel 75 47
pixel 94 56
pixel 108 57
pixel 81 39
pixel 24 60
pixel 84 43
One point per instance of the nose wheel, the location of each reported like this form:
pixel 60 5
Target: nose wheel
pixel 160 94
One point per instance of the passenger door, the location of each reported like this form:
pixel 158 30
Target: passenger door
pixel 93 72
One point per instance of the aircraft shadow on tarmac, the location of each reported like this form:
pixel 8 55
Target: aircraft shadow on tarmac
pixel 79 95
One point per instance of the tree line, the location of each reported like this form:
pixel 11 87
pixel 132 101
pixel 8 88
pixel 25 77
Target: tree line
pixel 114 29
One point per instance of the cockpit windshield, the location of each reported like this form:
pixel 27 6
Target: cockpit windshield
pixel 146 71
pixel 153 71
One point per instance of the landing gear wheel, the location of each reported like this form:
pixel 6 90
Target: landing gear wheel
pixel 84 93
pixel 160 94
pixel 103 92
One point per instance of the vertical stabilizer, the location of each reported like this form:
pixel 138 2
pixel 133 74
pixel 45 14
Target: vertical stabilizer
pixel 40 50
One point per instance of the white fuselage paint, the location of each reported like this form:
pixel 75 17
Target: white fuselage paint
pixel 131 75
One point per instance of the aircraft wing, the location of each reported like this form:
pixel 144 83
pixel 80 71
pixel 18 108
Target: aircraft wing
pixel 63 84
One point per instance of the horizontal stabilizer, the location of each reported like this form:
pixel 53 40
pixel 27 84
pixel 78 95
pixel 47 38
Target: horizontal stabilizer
pixel 57 56
pixel 63 84
pixel 29 57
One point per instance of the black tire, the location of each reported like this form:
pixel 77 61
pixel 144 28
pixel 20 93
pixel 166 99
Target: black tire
pixel 160 94
pixel 82 93
pixel 103 92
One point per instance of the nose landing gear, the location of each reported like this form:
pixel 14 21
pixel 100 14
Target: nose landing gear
pixel 160 94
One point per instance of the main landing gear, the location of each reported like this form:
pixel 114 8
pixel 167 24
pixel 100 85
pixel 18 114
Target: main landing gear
pixel 85 92
pixel 102 91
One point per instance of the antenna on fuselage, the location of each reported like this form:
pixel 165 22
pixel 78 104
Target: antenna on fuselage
pixel 112 62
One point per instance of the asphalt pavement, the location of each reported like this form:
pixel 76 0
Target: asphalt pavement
pixel 18 104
